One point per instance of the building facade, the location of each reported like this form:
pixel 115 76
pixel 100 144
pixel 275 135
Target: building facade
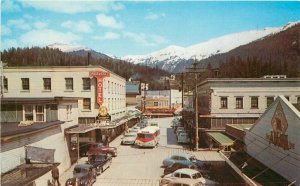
pixel 274 140
pixel 40 104
pixel 241 101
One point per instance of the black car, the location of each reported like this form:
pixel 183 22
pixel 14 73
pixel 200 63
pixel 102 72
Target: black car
pixel 100 162
pixel 179 165
pixel 83 175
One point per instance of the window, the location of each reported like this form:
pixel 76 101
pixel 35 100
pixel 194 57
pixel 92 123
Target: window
pixel 69 83
pixel 223 102
pixel 69 111
pixel 239 103
pixel 47 83
pixel 185 176
pixel 39 112
pixel 269 101
pixel 28 112
pixel 5 84
pixel 155 103
pixel 108 87
pixel 25 83
pixel 254 102
pixel 298 100
pixel 86 83
pixel 87 103
pixel 287 97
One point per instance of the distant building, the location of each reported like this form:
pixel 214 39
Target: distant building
pixel 163 98
pixel 274 140
pixel 133 92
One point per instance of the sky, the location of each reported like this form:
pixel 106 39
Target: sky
pixel 121 28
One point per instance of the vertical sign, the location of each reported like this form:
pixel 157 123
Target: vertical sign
pixel 99 75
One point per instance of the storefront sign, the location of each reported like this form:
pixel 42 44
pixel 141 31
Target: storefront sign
pixel 99 75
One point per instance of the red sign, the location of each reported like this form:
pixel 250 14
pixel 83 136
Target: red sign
pixel 99 75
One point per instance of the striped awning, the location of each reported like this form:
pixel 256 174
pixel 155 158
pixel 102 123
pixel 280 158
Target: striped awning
pixel 221 138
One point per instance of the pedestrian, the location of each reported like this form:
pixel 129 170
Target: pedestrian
pixel 55 175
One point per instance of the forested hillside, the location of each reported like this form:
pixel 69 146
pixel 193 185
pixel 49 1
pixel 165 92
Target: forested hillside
pixel 36 56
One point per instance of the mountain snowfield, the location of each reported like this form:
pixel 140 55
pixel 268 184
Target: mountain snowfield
pixel 67 48
pixel 168 58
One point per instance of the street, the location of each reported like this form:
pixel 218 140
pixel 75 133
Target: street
pixel 134 166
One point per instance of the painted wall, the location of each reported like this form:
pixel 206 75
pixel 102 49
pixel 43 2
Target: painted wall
pixel 284 162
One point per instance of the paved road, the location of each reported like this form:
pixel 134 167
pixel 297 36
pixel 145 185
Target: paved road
pixel 135 166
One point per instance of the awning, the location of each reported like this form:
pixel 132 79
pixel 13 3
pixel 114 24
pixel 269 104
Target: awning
pixel 220 138
pixel 81 129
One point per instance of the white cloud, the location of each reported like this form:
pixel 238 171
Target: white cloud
pixel 153 16
pixel 108 21
pixel 5 30
pixel 72 7
pixel 47 36
pixel 9 43
pixel 19 23
pixel 40 25
pixel 108 36
pixel 10 6
pixel 81 26
pixel 144 40
pixel 27 16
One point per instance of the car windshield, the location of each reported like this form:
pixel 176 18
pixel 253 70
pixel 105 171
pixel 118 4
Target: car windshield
pixel 129 135
pixel 79 170
pixel 197 175
pixel 146 136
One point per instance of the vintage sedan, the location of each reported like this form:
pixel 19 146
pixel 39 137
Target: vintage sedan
pixel 180 181
pixel 129 138
pixel 179 158
pixel 179 165
pixel 100 162
pixel 100 148
pixel 189 173
pixel 83 175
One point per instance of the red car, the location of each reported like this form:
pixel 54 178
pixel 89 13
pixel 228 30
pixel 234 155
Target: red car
pixel 99 148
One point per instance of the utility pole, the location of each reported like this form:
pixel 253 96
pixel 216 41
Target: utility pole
pixel 182 90
pixel 194 68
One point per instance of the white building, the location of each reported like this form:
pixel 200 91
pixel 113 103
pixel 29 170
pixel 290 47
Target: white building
pixel 50 100
pixel 241 100
pixel 274 139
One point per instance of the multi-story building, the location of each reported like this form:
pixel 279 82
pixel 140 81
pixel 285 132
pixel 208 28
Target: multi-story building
pixel 39 105
pixel 241 100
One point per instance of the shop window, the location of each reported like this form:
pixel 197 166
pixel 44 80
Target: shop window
pixel 39 112
pixel 224 102
pixel 254 102
pixel 28 109
pixel 87 103
pixel 25 83
pixel 69 83
pixel 47 83
pixel 239 103
pixel 86 83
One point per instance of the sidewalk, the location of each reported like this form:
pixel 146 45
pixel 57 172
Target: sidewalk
pixel 69 172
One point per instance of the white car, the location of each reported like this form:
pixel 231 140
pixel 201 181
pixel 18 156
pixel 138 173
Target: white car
pixel 180 181
pixel 134 129
pixel 189 173
pixel 129 138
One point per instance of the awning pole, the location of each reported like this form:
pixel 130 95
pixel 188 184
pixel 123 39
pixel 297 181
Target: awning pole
pixel 77 148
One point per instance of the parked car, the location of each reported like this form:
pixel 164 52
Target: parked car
pixel 100 162
pixel 83 175
pixel 100 148
pixel 154 123
pixel 179 165
pixel 190 173
pixel 129 138
pixel 180 181
pixel 183 137
pixel 179 158
pixel 134 129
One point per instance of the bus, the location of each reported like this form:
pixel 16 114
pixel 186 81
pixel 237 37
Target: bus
pixel 148 137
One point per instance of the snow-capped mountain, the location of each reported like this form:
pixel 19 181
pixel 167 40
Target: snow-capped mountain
pixel 68 48
pixel 173 57
pixel 77 50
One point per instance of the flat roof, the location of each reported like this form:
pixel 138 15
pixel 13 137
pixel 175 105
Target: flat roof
pixel 221 138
